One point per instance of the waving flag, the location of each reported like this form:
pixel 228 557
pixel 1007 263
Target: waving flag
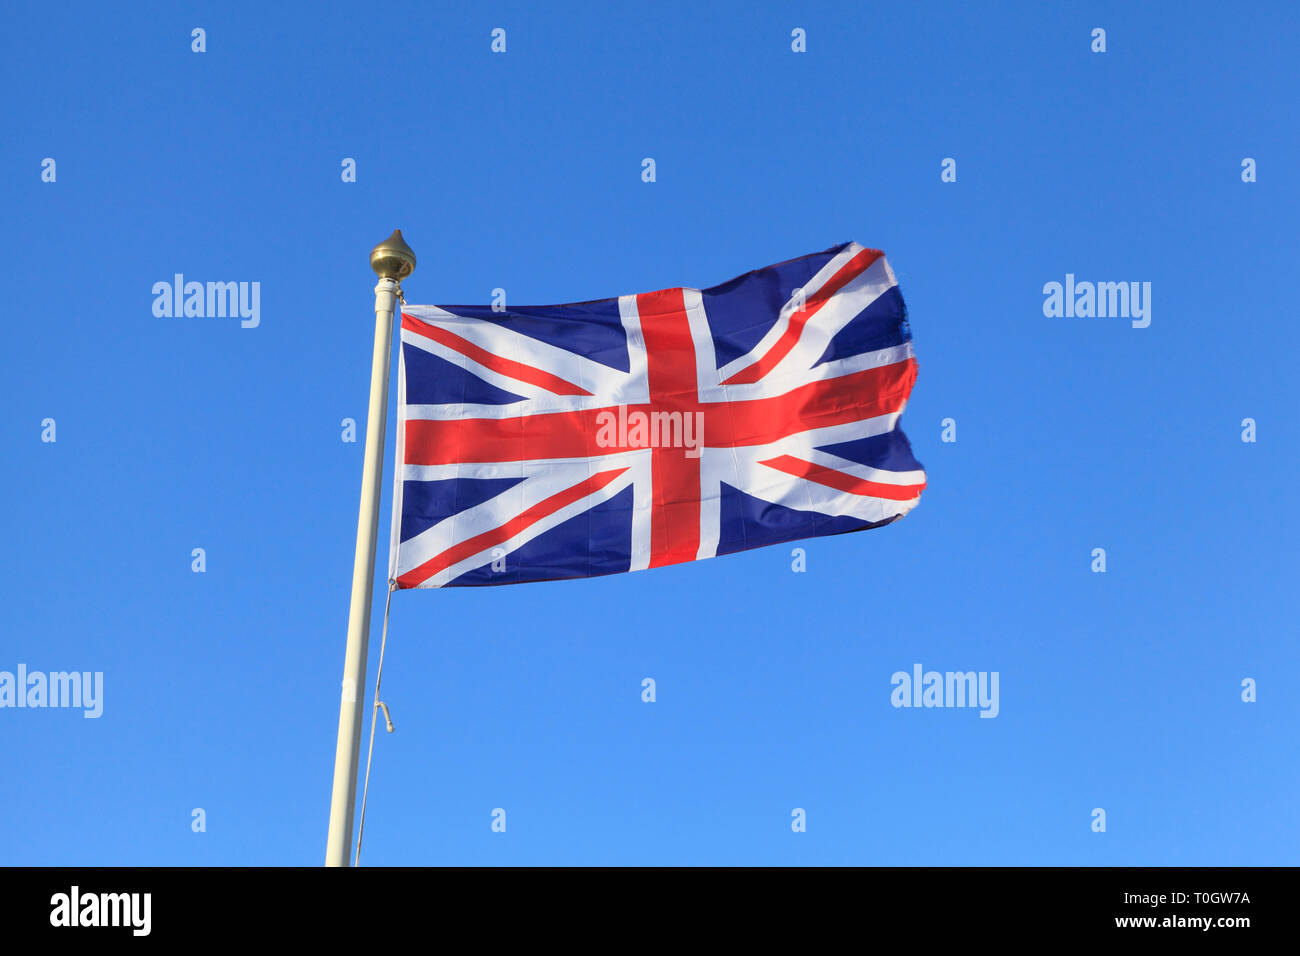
pixel 568 441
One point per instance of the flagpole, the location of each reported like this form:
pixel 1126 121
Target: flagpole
pixel 392 261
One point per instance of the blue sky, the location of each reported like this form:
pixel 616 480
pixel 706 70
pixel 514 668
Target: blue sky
pixel 522 170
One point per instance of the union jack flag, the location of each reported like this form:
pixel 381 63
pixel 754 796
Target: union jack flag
pixel 569 441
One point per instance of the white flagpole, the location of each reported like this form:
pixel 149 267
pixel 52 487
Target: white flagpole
pixel 392 261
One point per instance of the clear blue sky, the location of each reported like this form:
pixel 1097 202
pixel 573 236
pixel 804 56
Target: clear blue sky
pixel 522 170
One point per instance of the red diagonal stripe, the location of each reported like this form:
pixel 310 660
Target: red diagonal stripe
pixel 790 337
pixel 842 481
pixel 503 366
pixel 478 543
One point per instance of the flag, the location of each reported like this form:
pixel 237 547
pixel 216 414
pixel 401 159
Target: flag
pixel 568 441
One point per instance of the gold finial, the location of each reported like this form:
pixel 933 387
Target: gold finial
pixel 393 258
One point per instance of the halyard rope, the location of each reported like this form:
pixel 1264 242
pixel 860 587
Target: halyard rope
pixel 374 714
